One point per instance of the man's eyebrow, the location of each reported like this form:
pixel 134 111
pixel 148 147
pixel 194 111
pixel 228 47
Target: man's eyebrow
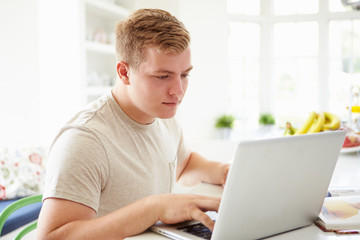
pixel 189 69
pixel 170 72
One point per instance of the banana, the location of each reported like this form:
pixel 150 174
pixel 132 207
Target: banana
pixel 289 129
pixel 332 122
pixel 305 127
pixel 318 123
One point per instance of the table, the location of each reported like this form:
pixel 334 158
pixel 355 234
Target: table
pixel 346 173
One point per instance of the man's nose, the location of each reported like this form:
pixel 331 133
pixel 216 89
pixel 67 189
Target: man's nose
pixel 177 87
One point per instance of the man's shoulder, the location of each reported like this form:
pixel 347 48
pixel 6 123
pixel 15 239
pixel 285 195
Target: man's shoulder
pixel 95 113
pixel 96 117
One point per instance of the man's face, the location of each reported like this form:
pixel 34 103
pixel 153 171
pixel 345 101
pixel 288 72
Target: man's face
pixel 158 86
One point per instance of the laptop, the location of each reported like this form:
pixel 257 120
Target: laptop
pixel 274 185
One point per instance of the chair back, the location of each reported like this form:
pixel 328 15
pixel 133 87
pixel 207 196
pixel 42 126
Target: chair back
pixel 15 206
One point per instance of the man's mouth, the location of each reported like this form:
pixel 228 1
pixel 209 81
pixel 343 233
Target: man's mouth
pixel 171 103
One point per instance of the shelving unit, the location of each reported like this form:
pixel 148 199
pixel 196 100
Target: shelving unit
pixel 99 21
pixel 92 46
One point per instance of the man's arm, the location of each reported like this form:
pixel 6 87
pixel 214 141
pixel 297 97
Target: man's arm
pixel 196 169
pixel 64 219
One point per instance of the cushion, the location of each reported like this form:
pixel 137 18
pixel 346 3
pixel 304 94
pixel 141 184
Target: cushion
pixel 22 171
pixel 21 216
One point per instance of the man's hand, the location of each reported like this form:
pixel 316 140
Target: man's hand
pixel 174 208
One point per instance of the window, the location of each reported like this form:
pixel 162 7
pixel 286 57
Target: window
pixel 337 6
pixel 244 68
pixel 286 7
pixel 344 54
pixel 244 7
pixel 291 57
pixel 295 68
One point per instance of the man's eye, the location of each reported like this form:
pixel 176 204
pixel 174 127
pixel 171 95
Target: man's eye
pixel 185 75
pixel 162 77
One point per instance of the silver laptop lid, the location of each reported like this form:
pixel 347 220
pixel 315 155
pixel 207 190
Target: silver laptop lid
pixel 278 184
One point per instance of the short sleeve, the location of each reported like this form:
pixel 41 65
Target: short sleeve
pixel 77 168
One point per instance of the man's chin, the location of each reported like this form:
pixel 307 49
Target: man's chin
pixel 167 115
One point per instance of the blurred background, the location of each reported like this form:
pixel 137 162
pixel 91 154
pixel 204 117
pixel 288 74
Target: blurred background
pixel 279 57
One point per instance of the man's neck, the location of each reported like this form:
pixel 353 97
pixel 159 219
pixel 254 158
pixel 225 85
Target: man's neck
pixel 122 98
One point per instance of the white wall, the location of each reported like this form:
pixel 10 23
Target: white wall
pixel 20 115
pixel 40 62
pixel 60 62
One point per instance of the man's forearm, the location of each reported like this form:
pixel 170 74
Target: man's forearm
pixel 198 169
pixel 128 221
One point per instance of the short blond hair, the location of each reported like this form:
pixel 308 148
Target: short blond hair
pixel 147 28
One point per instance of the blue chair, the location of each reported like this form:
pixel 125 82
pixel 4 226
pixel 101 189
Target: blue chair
pixel 28 211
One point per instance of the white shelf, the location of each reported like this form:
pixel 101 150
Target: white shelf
pixel 99 20
pixel 100 47
pixel 106 9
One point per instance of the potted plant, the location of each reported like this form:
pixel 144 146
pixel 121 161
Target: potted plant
pixel 266 119
pixel 267 122
pixel 224 124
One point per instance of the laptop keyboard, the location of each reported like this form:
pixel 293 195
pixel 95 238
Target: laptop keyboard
pixel 197 229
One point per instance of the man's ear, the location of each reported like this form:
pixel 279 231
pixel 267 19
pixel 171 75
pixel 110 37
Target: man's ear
pixel 122 69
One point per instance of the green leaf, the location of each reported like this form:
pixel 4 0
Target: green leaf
pixel 266 119
pixel 225 121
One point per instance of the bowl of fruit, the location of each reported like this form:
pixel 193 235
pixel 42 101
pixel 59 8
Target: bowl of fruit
pixel 351 142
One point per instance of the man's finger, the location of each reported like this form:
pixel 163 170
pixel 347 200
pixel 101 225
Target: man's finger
pixel 202 217
pixel 208 205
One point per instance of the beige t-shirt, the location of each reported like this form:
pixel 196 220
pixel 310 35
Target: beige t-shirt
pixel 105 160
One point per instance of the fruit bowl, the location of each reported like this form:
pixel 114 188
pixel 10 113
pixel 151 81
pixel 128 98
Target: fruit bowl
pixel 350 149
pixel 351 142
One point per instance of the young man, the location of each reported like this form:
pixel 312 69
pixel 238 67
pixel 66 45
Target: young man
pixel 111 168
